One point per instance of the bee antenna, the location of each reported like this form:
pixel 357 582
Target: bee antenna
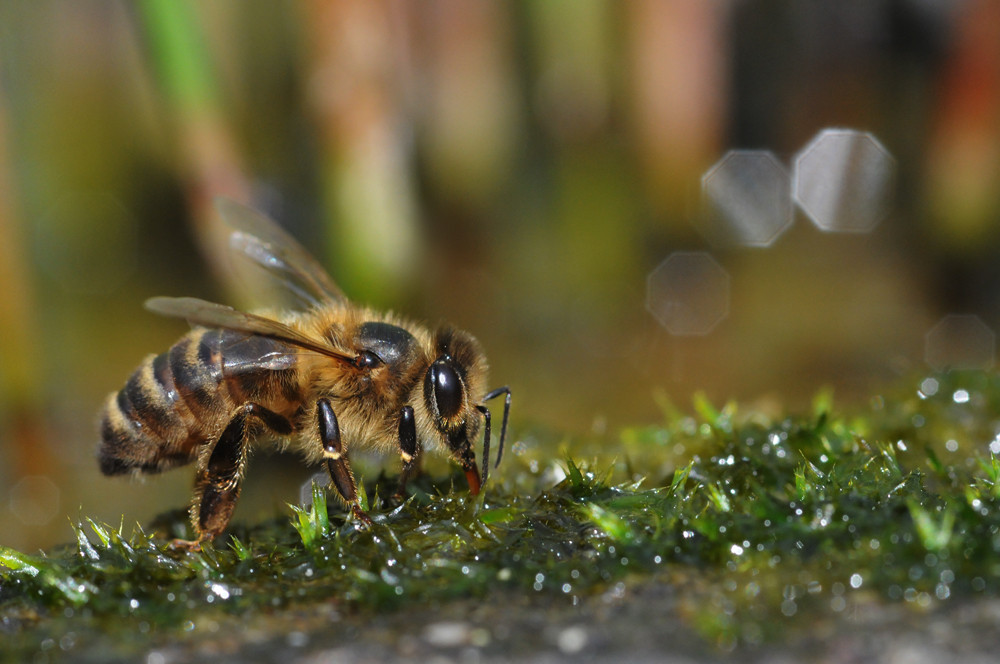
pixel 503 427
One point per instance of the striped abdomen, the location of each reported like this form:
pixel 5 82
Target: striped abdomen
pixel 179 400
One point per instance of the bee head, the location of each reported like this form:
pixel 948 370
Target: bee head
pixel 458 372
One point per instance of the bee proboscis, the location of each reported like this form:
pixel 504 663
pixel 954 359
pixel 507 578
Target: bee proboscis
pixel 327 379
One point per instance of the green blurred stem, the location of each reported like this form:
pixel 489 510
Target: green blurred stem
pixel 178 52
pixel 208 159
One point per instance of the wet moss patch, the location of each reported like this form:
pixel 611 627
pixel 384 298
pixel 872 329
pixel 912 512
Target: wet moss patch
pixel 768 525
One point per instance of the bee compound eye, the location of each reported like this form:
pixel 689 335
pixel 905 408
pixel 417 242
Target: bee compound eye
pixel 447 388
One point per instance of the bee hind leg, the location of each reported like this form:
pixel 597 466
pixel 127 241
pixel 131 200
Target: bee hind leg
pixel 409 451
pixel 217 486
pixel 336 459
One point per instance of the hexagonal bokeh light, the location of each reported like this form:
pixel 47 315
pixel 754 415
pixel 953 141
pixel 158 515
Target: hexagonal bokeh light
pixel 688 293
pixel 843 180
pixel 747 198
pixel 960 341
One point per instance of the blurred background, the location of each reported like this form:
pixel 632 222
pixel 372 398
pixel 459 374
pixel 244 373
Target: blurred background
pixel 622 200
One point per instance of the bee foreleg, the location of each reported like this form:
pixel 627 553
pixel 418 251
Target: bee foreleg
pixel 217 486
pixel 409 452
pixel 336 459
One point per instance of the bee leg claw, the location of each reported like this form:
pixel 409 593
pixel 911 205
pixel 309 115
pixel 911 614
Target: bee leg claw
pixel 361 515
pixel 186 545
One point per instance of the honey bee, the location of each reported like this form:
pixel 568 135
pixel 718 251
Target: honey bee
pixel 326 379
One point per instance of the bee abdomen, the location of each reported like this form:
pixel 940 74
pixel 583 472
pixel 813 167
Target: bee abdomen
pixel 167 407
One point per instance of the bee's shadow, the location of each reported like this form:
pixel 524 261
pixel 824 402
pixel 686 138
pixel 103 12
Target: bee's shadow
pixel 383 491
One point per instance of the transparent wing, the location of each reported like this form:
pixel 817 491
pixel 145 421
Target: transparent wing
pixel 244 353
pixel 210 314
pixel 269 246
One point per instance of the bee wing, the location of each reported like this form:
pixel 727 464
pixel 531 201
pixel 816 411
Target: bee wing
pixel 269 246
pixel 210 314
pixel 244 353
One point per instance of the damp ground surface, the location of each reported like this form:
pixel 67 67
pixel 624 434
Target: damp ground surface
pixel 869 535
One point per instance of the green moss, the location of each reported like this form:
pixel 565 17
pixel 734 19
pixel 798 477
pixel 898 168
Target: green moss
pixel 767 524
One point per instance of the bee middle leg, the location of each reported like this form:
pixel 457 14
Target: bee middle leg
pixel 336 459
pixel 409 451
pixel 217 486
